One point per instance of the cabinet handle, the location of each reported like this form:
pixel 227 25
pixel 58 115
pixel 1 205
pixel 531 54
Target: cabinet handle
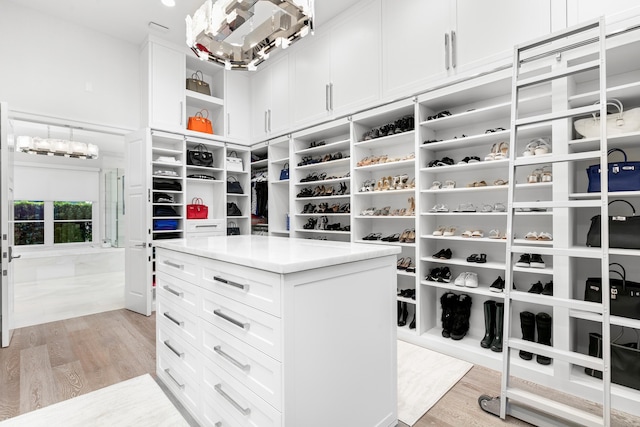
pixel 207 226
pixel 218 424
pixel 173 291
pixel 454 50
pixel 172 348
pixel 265 121
pixel 218 350
pixel 228 124
pixel 174 265
pixel 173 319
pixel 243 411
pixel 269 121
pixel 231 319
pixel 180 113
pixel 326 97
pixel 173 379
pixel 330 96
pixel 231 283
pixel 446 51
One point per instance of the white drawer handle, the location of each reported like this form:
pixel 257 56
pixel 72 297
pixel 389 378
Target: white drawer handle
pixel 207 226
pixel 230 283
pixel 172 348
pixel 231 319
pixel 218 350
pixel 173 379
pixel 173 319
pixel 173 291
pixel 243 411
pixel 174 265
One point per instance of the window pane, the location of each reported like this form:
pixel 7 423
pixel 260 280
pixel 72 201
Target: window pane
pixel 70 232
pixel 28 233
pixel 72 210
pixel 28 210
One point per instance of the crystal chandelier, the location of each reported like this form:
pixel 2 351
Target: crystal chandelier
pixel 56 147
pixel 240 34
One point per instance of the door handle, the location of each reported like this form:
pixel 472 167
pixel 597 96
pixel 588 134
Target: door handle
pixel 269 121
pixel 330 96
pixel 446 51
pixel 326 97
pixel 454 50
pixel 265 121
pixel 11 257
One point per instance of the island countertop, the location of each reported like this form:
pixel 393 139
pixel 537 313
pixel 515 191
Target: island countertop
pixel 278 254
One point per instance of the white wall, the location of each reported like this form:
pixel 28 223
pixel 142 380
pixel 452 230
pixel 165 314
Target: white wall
pixel 47 64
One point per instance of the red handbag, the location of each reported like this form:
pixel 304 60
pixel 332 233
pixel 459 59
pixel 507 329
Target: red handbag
pixel 197 209
pixel 199 123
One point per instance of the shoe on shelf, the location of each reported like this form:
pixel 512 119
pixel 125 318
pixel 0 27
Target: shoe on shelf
pixel 445 275
pixel 548 289
pixel 536 288
pixel 471 280
pixel 497 285
pixel 460 279
pixel 443 254
pixel 434 274
pixel 524 261
pixel 536 261
pixel 473 258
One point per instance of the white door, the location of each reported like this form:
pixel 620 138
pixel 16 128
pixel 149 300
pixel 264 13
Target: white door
pixel 279 105
pixel 167 87
pixel 137 209
pixel 6 225
pixel 584 10
pixel 260 97
pixel 236 103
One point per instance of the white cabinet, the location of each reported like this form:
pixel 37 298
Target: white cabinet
pixel 583 10
pixel 270 99
pixel 237 101
pixel 165 88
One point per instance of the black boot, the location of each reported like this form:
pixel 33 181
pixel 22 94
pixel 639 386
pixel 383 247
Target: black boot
pixel 489 323
pixel 528 325
pixel 405 313
pixel 543 323
pixel 461 317
pixel 448 302
pixel 496 344
pixel 412 325
pixel 399 311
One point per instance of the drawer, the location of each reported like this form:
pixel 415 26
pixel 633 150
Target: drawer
pixel 214 416
pixel 211 227
pixel 185 324
pixel 176 349
pixel 221 390
pixel 180 293
pixel 254 369
pixel 257 328
pixel 177 264
pixel 257 288
pixel 183 387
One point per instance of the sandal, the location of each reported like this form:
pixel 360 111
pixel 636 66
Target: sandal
pixel 449 231
pixel 467 233
pixel 449 184
pixel 492 153
pixel 436 185
pixel 535 176
pixel 500 182
pixel 473 258
pixel 546 175
pixel 499 207
pixel 494 234
pixel 372 236
pixel 477 233
pixel 486 208
pixel 439 231
pixel 532 235
pixel 545 236
pixel 502 151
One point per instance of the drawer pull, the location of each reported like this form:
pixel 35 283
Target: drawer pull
pixel 173 379
pixel 174 265
pixel 218 350
pixel 218 424
pixel 243 411
pixel 173 319
pixel 230 283
pixel 231 319
pixel 173 291
pixel 172 348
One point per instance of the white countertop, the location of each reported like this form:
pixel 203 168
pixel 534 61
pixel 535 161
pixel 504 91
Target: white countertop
pixel 278 254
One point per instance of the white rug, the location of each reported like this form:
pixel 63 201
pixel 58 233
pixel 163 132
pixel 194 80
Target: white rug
pixel 424 376
pixel 138 402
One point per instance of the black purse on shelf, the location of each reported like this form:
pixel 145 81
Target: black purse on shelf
pixel 200 156
pixel 625 360
pixel 624 231
pixel 167 185
pixel 233 186
pixel 232 229
pixel 625 294
pixel 233 209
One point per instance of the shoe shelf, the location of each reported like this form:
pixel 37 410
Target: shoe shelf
pixel 340 145
pixel 491 265
pixel 334 197
pixel 384 141
pixel 331 214
pixel 486 188
pixel 387 166
pixel 627 140
pixel 572 251
pixel 480 290
pixel 467 141
pixel 405 274
pixel 533 242
pixel 323 181
pixel 385 192
pixel 468 346
pixel 532 270
pixel 344 161
pixel 337 232
pixel 534 186
pixel 462 239
pixel 464 214
pixel 556 158
pixel 473 116
pixel 380 242
pixel 386 217
pixel 486 164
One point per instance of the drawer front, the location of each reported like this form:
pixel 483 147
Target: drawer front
pixel 185 324
pixel 176 349
pixel 205 226
pixel 257 328
pixel 257 288
pixel 182 266
pixel 214 416
pixel 180 293
pixel 254 369
pixel 185 388
pixel 221 390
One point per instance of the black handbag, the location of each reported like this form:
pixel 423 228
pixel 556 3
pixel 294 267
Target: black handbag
pixel 625 294
pixel 232 229
pixel 284 173
pixel 624 231
pixel 625 360
pixel 162 198
pixel 197 84
pixel 167 185
pixel 623 176
pixel 233 209
pixel 200 156
pixel 164 211
pixel 233 186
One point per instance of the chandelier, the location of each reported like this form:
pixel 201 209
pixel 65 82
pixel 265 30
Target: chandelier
pixel 56 147
pixel 240 34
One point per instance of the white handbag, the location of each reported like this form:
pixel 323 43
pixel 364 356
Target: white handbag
pixel 234 163
pixel 618 123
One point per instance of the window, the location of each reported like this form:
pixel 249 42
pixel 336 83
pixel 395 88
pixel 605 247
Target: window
pixel 52 223
pixel 72 222
pixel 28 226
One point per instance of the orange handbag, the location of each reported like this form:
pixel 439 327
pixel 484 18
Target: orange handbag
pixel 199 123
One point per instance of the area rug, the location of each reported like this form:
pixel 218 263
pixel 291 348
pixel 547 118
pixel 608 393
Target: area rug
pixel 424 376
pixel 138 402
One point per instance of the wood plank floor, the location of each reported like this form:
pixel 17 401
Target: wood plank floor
pixel 56 361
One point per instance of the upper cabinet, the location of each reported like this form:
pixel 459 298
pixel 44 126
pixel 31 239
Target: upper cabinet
pixel 237 102
pixel 583 10
pixel 270 99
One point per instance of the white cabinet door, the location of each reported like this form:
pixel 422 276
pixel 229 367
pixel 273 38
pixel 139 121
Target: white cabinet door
pixel 413 44
pixel 167 87
pixel 355 60
pixel 237 105
pixel 260 95
pixel 279 107
pixel 584 10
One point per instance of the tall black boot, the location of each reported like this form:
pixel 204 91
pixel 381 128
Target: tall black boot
pixel 543 322
pixel 448 302
pixel 489 323
pixel 399 311
pixel 461 317
pixel 405 313
pixel 496 344
pixel 528 326
pixel 412 325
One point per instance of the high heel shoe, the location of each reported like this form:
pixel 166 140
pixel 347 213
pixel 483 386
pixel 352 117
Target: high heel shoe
pixel 412 207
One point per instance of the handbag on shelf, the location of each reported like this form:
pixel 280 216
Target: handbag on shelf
pixel 164 211
pixel 233 209
pixel 162 198
pixel 166 184
pixel 233 229
pixel 233 186
pixel 197 84
pixel 197 209
pixel 623 176
pixel 200 123
pixel 624 231
pixel 200 156
pixel 234 163
pixel 618 123
pixel 165 224
pixel 625 360
pixel 284 173
pixel 624 294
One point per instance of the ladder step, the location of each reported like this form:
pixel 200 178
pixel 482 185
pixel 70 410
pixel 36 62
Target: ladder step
pixel 554 407
pixel 555 353
pixel 575 252
pixel 524 296
pixel 559 35
pixel 580 68
pixel 589 203
pixel 574 112
pixel 556 158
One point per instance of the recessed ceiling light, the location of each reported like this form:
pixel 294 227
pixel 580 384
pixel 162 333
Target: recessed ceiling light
pixel 168 3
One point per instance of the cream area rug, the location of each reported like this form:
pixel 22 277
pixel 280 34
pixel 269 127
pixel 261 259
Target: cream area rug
pixel 424 376
pixel 136 402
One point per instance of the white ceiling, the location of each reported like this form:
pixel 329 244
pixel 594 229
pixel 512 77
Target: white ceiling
pixel 129 19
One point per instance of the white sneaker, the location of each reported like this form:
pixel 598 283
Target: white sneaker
pixel 460 280
pixel 471 280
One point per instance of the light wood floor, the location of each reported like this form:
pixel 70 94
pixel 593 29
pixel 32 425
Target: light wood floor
pixel 56 361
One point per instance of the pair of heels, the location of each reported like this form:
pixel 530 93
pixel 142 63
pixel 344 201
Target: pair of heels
pixel 314 177
pixel 499 151
pixel 343 189
pixel 321 191
pixel 406 264
pixel 309 208
pixel 408 236
pixel 540 175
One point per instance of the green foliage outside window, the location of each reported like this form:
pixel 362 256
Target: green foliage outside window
pixel 25 210
pixel 72 210
pixel 71 222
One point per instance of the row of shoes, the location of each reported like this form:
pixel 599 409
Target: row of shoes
pixel 406 264
pixel 448 231
pixel 403 314
pixel 470 207
pixel 437 185
pixel 540 175
pixel 407 236
pixel 407 293
pixel 439 274
pixel 322 223
pixel 539 288
pixel 498 129
pixel 543 235
pixel 386 211
pixel 404 124
pixel 322 176
pixel 377 160
pixel 531 260
pixel 386 183
pixel 322 191
pixel 308 160
pixel 537 147
pixel 310 208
